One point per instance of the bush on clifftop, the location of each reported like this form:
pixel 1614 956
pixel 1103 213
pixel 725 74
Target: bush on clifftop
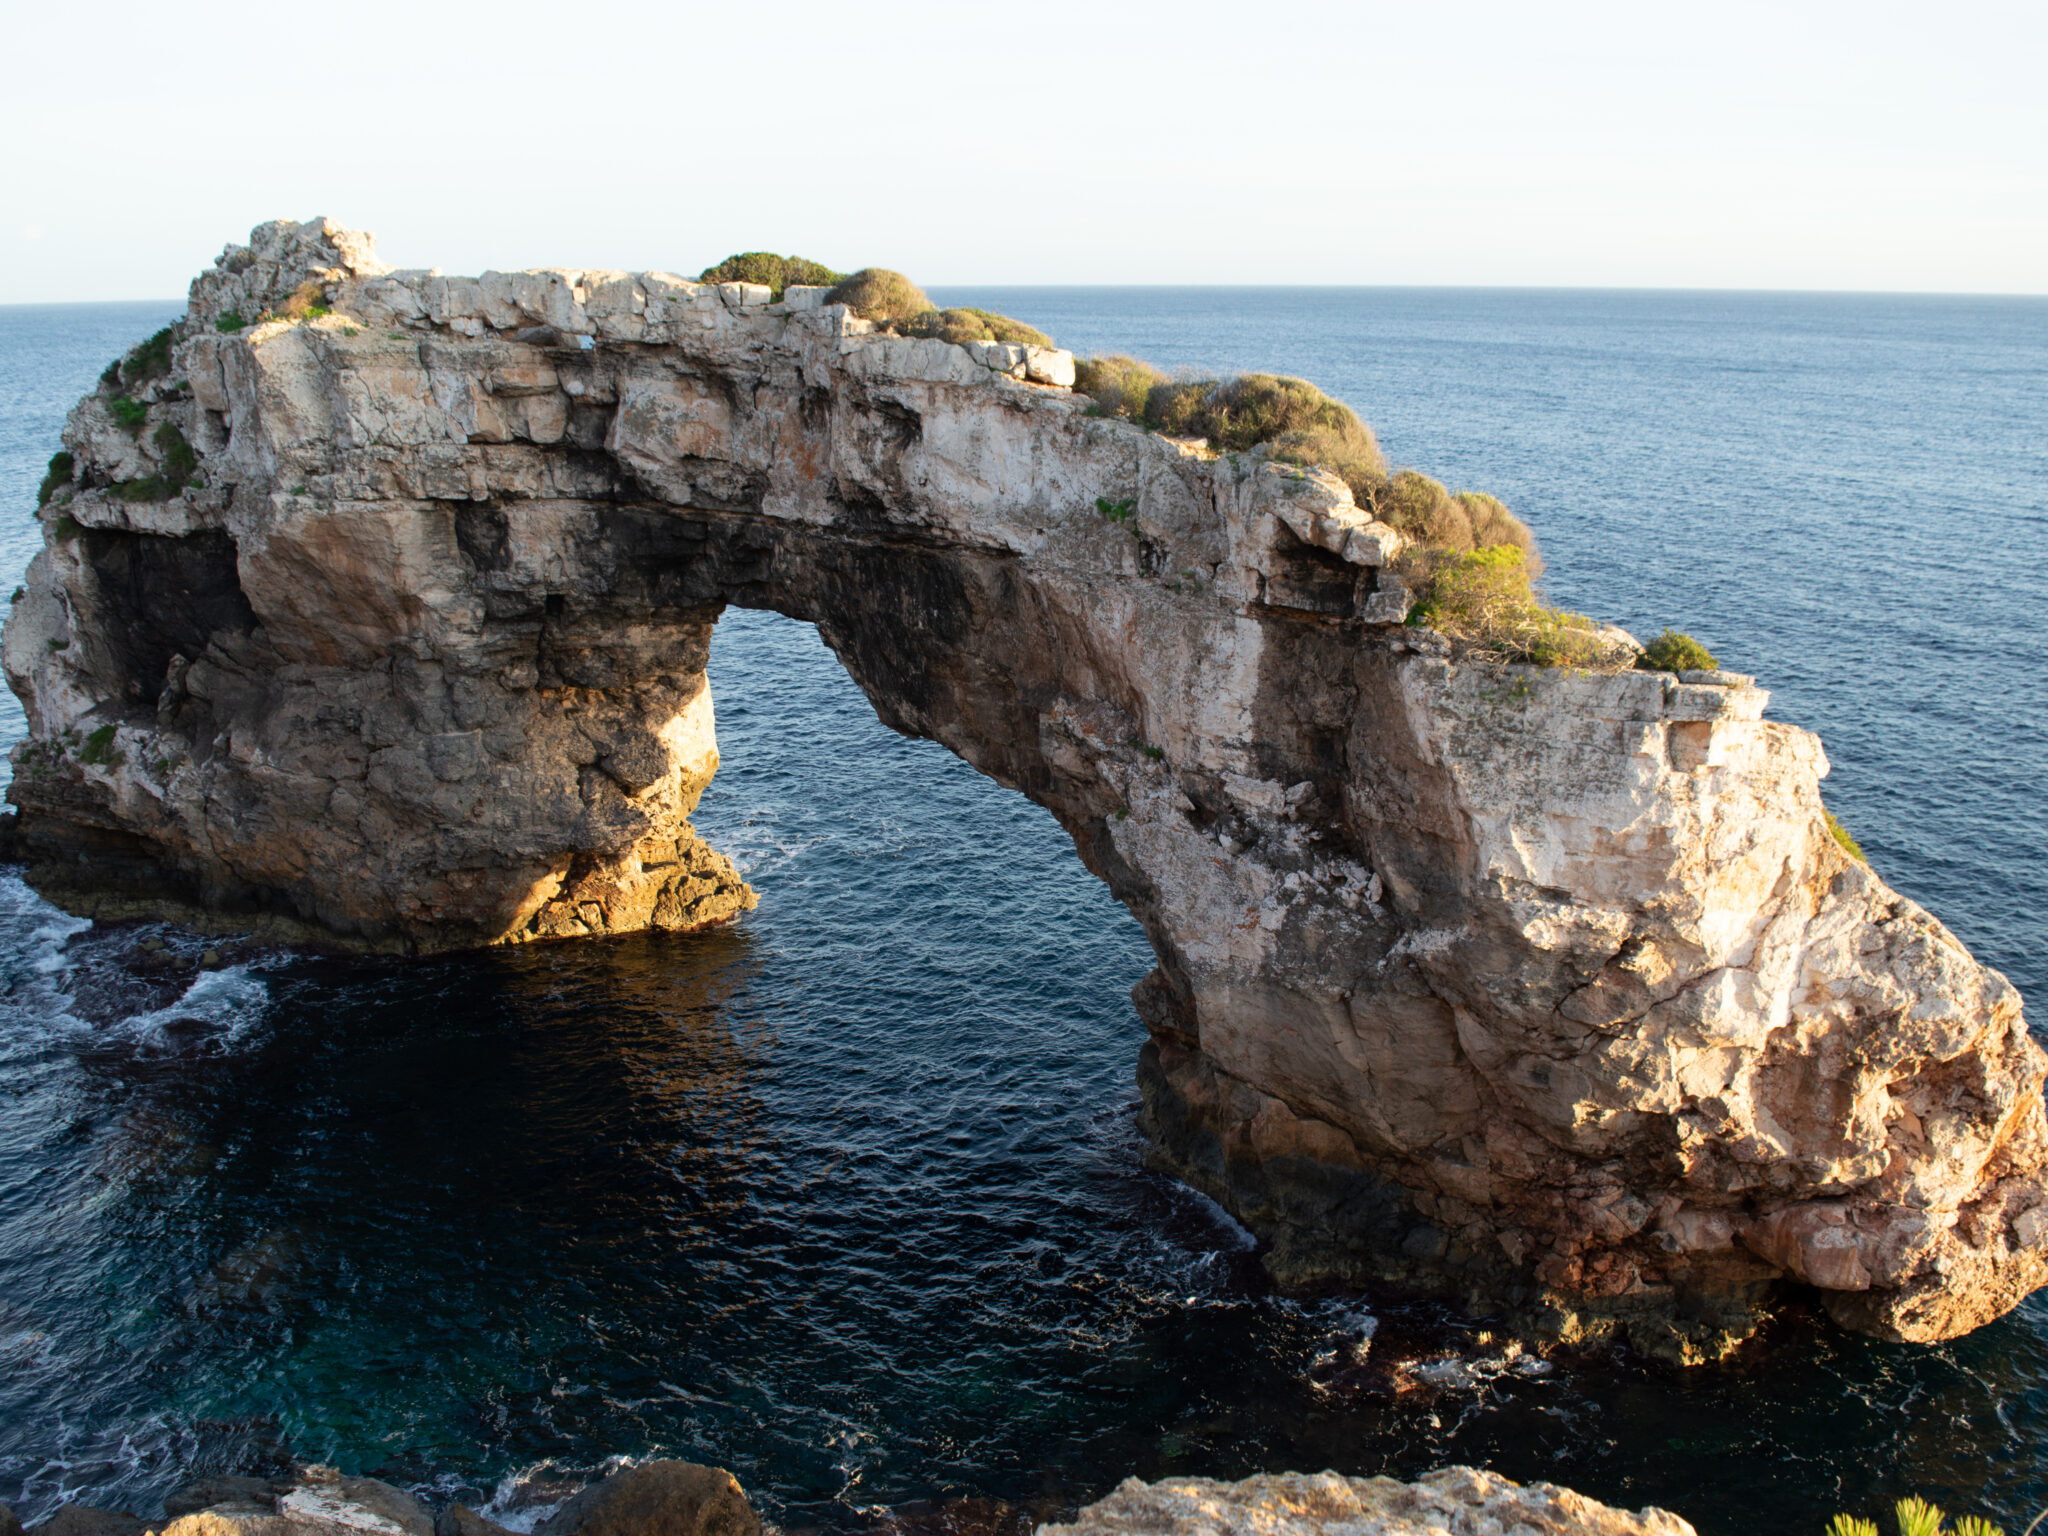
pixel 1673 652
pixel 777 272
pixel 885 297
pixel 1485 597
pixel 962 325
pixel 898 305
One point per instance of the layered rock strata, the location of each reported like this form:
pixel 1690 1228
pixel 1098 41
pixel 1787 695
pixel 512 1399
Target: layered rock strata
pixel 1541 989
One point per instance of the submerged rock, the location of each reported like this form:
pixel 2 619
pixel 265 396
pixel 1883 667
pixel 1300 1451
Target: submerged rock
pixel 83 1520
pixel 9 1524
pixel 461 1520
pixel 1546 990
pixel 658 1498
pixel 1458 1500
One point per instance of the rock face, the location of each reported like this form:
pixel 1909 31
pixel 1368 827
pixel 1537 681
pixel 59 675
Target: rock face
pixel 658 1498
pixel 1545 990
pixel 1457 1500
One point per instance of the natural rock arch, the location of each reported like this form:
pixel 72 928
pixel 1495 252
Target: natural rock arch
pixel 1541 988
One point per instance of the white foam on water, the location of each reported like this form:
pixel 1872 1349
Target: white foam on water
pixel 528 1495
pixel 231 1002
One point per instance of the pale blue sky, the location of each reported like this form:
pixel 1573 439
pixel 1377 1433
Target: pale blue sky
pixel 1859 146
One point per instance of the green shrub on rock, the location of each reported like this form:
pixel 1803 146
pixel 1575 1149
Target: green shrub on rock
pixel 180 469
pixel 1485 597
pixel 1118 385
pixel 1840 834
pixel 150 360
pixel 62 467
pixel 877 294
pixel 962 325
pixel 776 272
pixel 1674 652
pixel 129 413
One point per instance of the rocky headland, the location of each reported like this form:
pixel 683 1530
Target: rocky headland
pixel 677 1498
pixel 374 607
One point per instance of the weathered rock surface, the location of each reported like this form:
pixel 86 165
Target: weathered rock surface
pixel 318 1502
pixel 1542 989
pixel 658 1498
pixel 1457 1500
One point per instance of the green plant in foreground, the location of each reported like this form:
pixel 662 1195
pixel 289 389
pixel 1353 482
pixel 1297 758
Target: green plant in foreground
pixel 1116 511
pixel 229 322
pixel 1674 652
pixel 62 466
pixel 1841 835
pixel 1917 1517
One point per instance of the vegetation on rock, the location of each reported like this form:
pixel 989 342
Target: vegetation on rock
pixel 1840 834
pixel 308 301
pixel 59 474
pixel 1674 652
pixel 777 272
pixel 99 748
pixel 897 304
pixel 180 467
pixel 885 297
pixel 129 413
pixel 1471 561
pixel 150 360
pixel 1917 1517
pixel 229 321
pixel 962 325
pixel 1484 596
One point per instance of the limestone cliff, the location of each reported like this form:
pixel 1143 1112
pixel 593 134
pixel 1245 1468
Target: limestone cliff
pixel 388 617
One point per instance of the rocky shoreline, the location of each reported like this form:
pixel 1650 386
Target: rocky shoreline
pixel 678 1498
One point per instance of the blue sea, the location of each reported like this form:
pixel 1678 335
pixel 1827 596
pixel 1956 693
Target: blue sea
pixel 848 1197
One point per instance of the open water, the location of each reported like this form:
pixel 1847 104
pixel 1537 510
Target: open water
pixel 847 1197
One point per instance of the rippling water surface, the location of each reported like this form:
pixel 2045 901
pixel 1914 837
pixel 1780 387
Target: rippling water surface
pixel 847 1197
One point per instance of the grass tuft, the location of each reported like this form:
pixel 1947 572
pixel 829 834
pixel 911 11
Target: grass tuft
pixel 129 413
pixel 1840 834
pixel 1674 652
pixel 778 272
pixel 229 321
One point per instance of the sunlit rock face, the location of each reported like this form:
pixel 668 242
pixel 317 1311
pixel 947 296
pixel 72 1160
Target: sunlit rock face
pixel 1545 990
pixel 1456 1501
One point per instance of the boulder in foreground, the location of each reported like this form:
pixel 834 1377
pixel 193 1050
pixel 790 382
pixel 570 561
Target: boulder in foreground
pixel 1460 1500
